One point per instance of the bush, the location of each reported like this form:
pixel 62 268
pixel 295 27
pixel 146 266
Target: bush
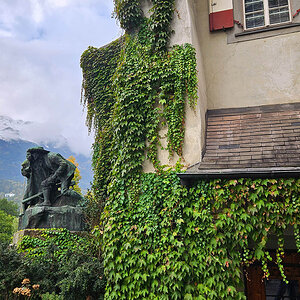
pixel 82 277
pixel 6 227
pixel 12 270
pixel 64 264
pixel 52 296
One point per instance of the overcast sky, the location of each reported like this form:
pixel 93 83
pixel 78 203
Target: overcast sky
pixel 41 42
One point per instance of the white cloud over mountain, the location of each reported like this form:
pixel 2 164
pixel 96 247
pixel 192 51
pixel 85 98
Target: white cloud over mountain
pixel 41 42
pixel 14 130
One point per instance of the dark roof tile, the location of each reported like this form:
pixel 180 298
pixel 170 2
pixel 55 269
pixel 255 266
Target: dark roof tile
pixel 258 137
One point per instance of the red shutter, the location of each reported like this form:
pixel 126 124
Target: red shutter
pixel 220 14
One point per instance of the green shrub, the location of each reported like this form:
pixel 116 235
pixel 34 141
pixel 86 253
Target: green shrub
pixel 82 276
pixel 52 296
pixel 12 270
pixel 64 264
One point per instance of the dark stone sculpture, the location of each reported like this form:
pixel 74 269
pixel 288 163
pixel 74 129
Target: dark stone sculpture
pixel 48 201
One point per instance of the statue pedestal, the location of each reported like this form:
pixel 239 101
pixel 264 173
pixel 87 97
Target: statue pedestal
pixel 21 233
pixel 18 236
pixel 68 217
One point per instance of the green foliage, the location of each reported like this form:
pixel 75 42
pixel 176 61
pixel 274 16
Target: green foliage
pixel 9 207
pixel 51 296
pixel 60 240
pixel 64 263
pixel 12 270
pixel 175 242
pixel 131 18
pixel 160 20
pixel 129 13
pixel 8 221
pixel 160 239
pixel 82 277
pixel 6 227
pixel 131 92
pixel 99 66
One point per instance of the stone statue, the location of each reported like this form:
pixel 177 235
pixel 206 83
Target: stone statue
pixel 44 171
pixel 48 199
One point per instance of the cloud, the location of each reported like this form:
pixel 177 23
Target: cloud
pixel 41 42
pixel 37 11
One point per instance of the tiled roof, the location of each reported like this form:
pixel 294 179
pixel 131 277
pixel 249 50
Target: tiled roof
pixel 256 138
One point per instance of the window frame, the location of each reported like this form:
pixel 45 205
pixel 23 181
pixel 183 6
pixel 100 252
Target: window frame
pixel 266 17
pixel 254 283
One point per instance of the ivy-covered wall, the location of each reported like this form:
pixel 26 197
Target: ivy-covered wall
pixel 162 240
pixel 179 243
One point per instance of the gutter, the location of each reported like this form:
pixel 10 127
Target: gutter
pixel 274 172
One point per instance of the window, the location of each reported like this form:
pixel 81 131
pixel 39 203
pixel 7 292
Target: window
pixel 277 289
pixel 260 13
pixel 274 288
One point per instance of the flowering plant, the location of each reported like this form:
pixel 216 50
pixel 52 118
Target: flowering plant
pixel 27 291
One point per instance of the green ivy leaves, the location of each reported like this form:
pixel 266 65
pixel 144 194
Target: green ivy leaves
pixel 131 18
pixel 62 241
pixel 129 14
pixel 160 20
pixel 161 240
pixel 175 243
pixel 132 89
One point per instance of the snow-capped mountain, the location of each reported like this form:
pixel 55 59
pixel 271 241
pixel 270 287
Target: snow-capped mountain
pixel 10 129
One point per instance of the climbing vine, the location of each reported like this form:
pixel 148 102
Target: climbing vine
pixel 193 243
pixel 129 13
pixel 134 87
pixel 162 240
pixel 62 240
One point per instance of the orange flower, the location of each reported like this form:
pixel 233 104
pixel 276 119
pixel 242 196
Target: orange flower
pixel 26 281
pixel 17 290
pixel 26 292
pixel 36 286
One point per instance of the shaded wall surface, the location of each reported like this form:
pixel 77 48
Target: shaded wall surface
pixel 261 71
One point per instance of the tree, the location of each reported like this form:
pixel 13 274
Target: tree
pixel 6 226
pixel 12 269
pixel 77 175
pixel 9 207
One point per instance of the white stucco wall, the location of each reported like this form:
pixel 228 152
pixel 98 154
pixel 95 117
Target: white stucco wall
pixel 256 72
pixel 184 25
pixel 261 71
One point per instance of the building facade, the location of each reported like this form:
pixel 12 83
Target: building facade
pixel 247 56
pixel 245 125
pixel 247 119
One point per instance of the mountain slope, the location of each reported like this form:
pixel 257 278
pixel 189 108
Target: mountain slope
pixel 13 152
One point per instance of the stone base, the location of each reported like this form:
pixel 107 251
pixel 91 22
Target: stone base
pixel 21 233
pixel 67 217
pixel 18 236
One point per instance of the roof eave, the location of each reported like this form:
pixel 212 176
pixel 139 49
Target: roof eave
pixel 279 172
